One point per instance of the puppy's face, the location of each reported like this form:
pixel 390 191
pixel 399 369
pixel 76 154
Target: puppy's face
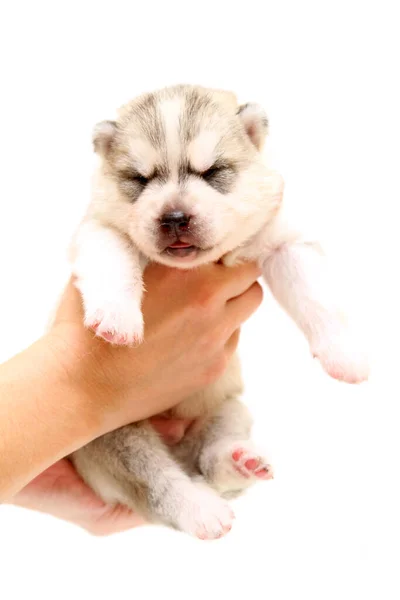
pixel 182 175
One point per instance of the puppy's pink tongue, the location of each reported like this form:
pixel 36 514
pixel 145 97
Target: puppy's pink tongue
pixel 179 245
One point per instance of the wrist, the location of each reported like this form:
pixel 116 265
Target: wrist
pixel 72 366
pixel 87 369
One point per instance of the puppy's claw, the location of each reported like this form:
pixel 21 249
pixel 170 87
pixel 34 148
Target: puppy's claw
pixel 120 326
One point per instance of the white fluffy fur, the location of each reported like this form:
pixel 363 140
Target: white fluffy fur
pixel 111 248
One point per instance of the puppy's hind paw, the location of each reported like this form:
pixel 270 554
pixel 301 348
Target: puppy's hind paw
pixel 205 515
pixel 249 463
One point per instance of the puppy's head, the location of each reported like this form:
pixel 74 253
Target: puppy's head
pixel 182 175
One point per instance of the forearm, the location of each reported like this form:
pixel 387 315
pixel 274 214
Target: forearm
pixel 43 415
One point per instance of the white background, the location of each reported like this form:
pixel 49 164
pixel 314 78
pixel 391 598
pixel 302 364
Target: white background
pixel 327 73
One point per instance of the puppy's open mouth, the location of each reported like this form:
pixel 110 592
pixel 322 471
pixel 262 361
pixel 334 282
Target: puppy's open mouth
pixel 181 250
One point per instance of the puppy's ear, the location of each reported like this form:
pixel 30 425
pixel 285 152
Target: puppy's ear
pixel 255 123
pixel 103 136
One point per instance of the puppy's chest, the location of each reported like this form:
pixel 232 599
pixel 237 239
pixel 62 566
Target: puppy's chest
pixel 205 401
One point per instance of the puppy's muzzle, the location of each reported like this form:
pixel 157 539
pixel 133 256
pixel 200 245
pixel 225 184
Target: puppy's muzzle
pixel 175 223
pixel 177 235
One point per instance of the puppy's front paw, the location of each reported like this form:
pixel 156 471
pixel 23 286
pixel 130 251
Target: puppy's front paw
pixel 342 357
pixel 120 323
pixel 205 515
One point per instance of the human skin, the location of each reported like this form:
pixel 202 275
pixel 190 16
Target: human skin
pixel 192 328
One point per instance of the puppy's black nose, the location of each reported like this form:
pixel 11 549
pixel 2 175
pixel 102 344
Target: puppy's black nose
pixel 175 220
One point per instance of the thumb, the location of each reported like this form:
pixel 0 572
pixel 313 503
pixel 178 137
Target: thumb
pixel 70 308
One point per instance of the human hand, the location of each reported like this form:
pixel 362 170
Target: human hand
pixel 76 387
pixel 192 321
pixel 60 492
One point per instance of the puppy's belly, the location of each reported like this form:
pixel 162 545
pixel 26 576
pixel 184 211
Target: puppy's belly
pixel 206 400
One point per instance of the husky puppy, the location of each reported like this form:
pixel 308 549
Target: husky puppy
pixel 181 181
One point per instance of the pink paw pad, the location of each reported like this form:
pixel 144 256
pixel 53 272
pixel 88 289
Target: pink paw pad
pixel 109 336
pixel 202 535
pixel 236 454
pixel 248 464
pixel 113 338
pixel 119 339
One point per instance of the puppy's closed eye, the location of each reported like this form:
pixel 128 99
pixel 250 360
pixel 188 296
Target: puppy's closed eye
pixel 135 177
pixel 213 171
pixel 220 177
pixel 132 183
pixel 141 180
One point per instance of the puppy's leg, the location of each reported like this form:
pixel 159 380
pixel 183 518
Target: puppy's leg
pixel 132 466
pixel 228 459
pixel 109 277
pixel 298 278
